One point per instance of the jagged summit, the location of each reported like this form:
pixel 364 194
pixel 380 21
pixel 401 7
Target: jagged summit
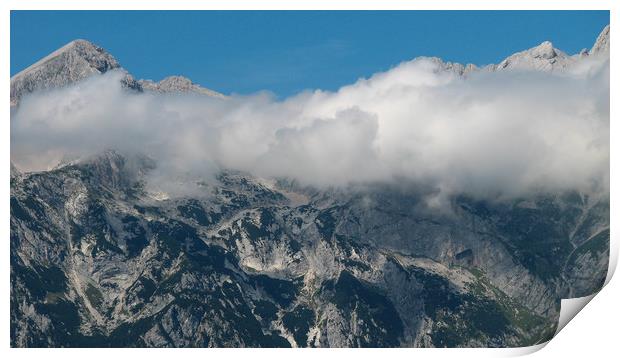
pixel 180 84
pixel 544 50
pixel 83 51
pixel 112 168
pixel 454 67
pixel 73 62
pixel 543 57
pixel 602 42
pixel 80 59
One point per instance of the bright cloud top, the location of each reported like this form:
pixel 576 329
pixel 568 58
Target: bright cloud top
pixel 490 134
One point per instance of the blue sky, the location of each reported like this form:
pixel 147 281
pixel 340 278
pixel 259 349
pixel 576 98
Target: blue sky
pixel 286 52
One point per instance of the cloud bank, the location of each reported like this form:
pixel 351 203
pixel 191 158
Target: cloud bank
pixel 492 134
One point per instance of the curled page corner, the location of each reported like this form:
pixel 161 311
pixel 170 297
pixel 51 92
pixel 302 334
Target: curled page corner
pixel 613 257
pixel 523 351
pixel 570 307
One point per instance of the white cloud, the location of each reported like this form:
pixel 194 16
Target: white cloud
pixel 492 134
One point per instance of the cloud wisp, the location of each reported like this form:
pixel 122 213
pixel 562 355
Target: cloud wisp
pixel 491 134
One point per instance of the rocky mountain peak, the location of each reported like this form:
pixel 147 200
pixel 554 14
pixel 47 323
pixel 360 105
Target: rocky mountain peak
pixel 544 50
pixel 114 169
pixel 543 57
pixel 80 59
pixel 177 84
pixel 97 57
pixel 602 42
pixel 71 63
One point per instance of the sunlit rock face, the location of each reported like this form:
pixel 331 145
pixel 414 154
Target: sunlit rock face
pixel 602 42
pixel 81 59
pixel 98 260
pixel 102 258
pixel 71 63
pixel 177 84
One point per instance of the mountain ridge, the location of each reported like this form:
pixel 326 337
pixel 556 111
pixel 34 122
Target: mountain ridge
pixel 80 59
pixel 89 59
pixel 602 42
pixel 177 84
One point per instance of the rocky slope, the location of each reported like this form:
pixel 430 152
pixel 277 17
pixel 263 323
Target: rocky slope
pixel 100 258
pixel 177 84
pixel 81 59
pixel 543 57
pixel 602 42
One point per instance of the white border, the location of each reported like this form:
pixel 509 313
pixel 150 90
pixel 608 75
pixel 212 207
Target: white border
pixel 594 331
